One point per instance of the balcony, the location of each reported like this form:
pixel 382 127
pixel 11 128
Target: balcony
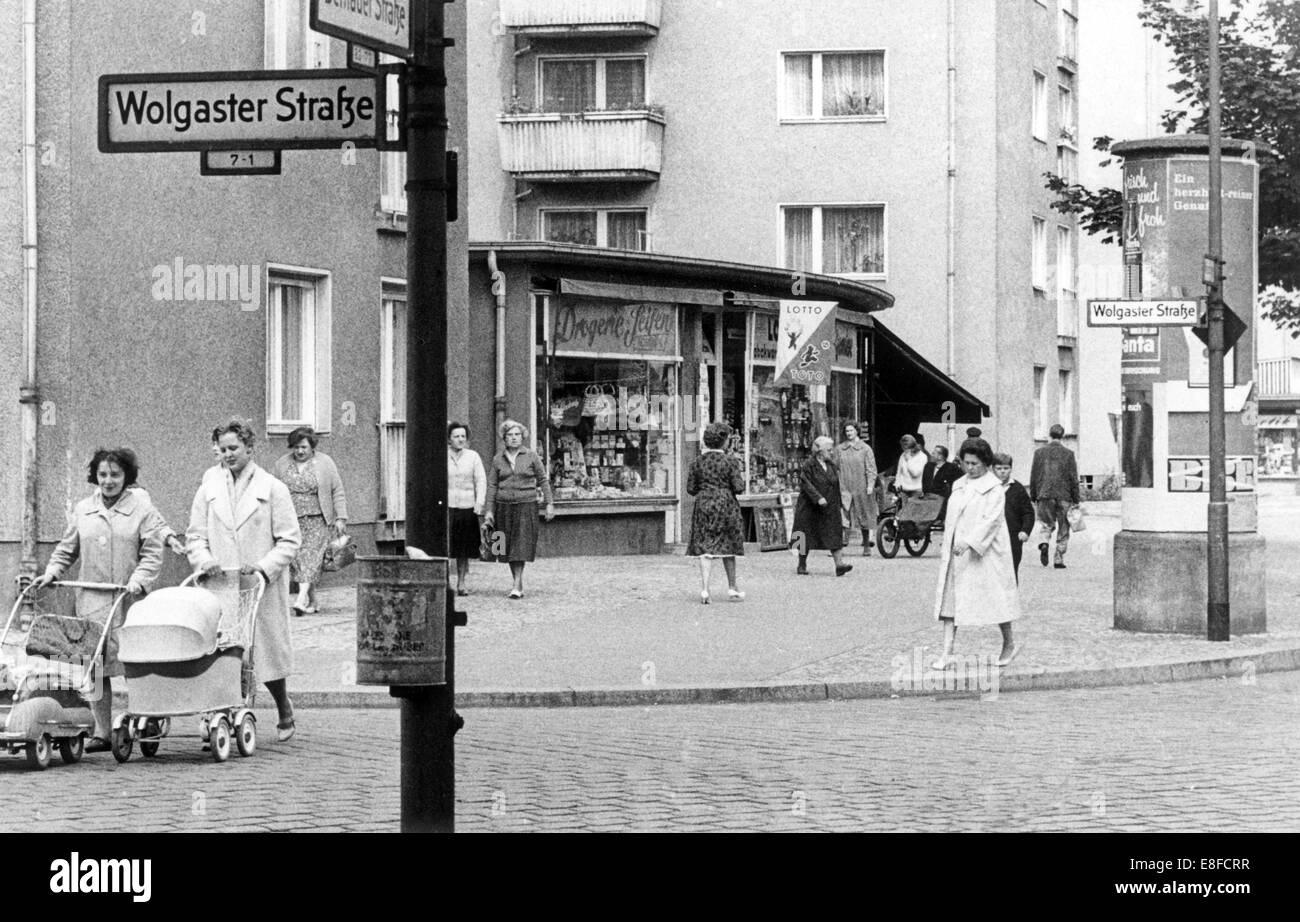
pixel 618 146
pixel 561 18
pixel 1067 40
pixel 1278 378
pixel 1067 318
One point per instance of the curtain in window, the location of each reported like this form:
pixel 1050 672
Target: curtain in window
pixel 568 86
pixel 853 84
pixel 798 85
pixel 853 240
pixel 798 238
pixel 623 230
pixel 624 84
pixel 570 227
pixel 396 310
pixel 291 352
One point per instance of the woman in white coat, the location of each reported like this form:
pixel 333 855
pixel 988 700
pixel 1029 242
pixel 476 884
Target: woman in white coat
pixel 243 518
pixel 977 582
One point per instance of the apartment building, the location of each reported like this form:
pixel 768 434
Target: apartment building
pixel 125 349
pixel 824 137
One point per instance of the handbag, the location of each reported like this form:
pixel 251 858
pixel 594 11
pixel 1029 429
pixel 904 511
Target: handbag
pixel 63 636
pixel 340 553
pixel 485 543
pixel 596 402
pixel 1074 515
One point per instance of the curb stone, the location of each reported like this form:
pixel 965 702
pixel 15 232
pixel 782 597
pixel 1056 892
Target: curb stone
pixel 1017 680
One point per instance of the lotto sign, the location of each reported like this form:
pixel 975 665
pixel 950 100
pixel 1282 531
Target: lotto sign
pixel 238 110
pixel 1192 475
pixel 805 346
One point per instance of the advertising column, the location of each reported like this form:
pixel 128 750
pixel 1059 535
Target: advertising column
pixel 1160 553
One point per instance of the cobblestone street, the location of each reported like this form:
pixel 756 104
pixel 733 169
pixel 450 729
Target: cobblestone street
pixel 1202 756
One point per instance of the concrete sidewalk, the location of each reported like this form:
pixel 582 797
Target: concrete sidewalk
pixel 632 630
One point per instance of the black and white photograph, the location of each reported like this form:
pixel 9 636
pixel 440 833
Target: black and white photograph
pixel 652 416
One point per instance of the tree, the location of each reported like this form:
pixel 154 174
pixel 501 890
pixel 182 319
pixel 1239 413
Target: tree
pixel 1260 58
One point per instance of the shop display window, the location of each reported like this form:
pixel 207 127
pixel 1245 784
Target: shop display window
pixel 611 428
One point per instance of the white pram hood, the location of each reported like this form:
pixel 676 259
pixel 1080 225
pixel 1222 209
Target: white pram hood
pixel 170 626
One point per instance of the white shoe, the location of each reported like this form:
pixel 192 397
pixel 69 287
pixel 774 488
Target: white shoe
pixel 735 595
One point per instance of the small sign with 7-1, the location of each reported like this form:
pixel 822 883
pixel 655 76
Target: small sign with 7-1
pixel 1169 313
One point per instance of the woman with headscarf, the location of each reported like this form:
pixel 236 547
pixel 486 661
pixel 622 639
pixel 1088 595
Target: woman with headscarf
pixel 817 512
pixel 857 463
pixel 717 529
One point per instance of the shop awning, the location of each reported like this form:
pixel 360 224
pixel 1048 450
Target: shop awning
pixel 903 378
pixel 639 293
pixel 1277 422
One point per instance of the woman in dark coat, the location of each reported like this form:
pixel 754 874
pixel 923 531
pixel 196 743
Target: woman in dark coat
pixel 717 529
pixel 817 513
pixel 1020 511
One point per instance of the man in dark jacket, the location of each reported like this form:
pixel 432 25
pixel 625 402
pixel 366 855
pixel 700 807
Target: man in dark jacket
pixel 1019 510
pixel 1054 488
pixel 945 472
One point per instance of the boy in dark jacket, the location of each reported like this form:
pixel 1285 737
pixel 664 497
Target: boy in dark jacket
pixel 1019 510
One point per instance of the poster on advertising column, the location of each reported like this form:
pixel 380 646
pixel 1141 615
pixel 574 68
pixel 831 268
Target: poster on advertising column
pixel 805 347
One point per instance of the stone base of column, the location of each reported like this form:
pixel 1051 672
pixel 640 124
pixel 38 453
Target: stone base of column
pixel 1161 584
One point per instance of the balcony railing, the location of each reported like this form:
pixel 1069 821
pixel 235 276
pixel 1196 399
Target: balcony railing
pixel 1278 377
pixel 581 17
pixel 1068 38
pixel 1067 315
pixel 582 147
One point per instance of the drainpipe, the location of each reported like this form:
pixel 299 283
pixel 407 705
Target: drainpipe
pixel 514 234
pixel 952 204
pixel 28 394
pixel 499 290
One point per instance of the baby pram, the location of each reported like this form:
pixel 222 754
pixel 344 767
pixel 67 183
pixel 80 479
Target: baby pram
pixel 189 651
pixel 49 652
pixel 907 520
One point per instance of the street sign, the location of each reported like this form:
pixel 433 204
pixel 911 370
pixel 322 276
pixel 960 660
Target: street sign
pixel 1166 313
pixel 362 58
pixel 239 163
pixel 1233 327
pixel 381 24
pixel 238 110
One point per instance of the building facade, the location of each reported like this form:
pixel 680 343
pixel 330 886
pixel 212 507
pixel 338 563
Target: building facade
pixel 815 137
pixel 164 301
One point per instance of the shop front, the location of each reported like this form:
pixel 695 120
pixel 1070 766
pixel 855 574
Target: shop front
pixel 633 354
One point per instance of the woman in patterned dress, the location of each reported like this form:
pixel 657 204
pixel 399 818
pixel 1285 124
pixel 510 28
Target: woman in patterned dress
pixel 717 529
pixel 321 505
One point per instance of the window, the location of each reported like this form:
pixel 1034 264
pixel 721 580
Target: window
pixel 1065 284
pixel 392 163
pixel 1065 400
pixel 291 43
pixel 1068 27
pixel 584 84
pixel 298 351
pixel 1067 163
pixel 1040 254
pixel 833 85
pixel 1065 98
pixel 609 414
pixel 1040 106
pixel 1040 402
pixel 623 230
pixel 392 383
pixel 838 240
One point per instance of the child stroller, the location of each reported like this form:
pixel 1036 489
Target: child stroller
pixel 189 651
pixel 908 520
pixel 51 666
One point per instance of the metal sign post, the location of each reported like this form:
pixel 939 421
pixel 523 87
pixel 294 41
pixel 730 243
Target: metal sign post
pixel 1217 611
pixel 429 720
